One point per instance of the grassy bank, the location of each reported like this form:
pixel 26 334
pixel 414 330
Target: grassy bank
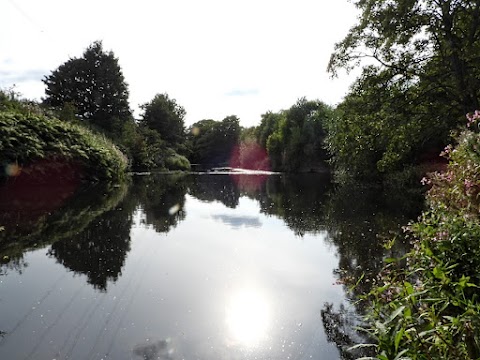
pixel 426 305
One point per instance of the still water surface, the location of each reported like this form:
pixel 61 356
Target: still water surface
pixel 185 267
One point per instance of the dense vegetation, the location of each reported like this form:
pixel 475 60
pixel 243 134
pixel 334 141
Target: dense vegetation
pixel 44 147
pixel 294 137
pixel 430 307
pixel 212 142
pixel 422 77
pixel 91 91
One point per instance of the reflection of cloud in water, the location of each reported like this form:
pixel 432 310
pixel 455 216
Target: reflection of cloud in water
pixel 156 350
pixel 237 221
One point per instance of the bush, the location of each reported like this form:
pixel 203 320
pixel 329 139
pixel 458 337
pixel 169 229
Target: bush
pixel 26 138
pixel 430 308
pixel 177 162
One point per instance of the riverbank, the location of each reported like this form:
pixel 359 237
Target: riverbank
pixel 425 305
pixel 41 148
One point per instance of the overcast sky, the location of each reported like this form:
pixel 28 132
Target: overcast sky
pixel 215 57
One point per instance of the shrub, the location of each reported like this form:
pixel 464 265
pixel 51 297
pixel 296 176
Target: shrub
pixel 26 138
pixel 430 308
pixel 177 162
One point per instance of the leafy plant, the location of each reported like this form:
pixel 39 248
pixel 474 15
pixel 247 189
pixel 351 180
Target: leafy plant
pixel 430 308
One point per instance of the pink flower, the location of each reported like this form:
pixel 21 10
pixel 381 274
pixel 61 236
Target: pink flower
pixel 425 181
pixel 469 183
pixel 471 118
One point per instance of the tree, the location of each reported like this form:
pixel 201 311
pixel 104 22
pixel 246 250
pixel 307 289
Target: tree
pixel 294 138
pixel 435 41
pixel 94 85
pixel 165 116
pixel 425 77
pixel 212 142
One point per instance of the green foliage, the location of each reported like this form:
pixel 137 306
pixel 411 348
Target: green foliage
pixel 419 40
pixel 294 137
pixel 213 142
pixel 92 86
pixel 382 125
pixel 431 308
pixel 425 78
pixel 165 116
pixel 177 162
pixel 27 138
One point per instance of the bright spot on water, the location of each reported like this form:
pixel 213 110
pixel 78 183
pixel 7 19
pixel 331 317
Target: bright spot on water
pixel 248 317
pixel 174 209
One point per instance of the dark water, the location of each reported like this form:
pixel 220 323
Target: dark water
pixel 189 267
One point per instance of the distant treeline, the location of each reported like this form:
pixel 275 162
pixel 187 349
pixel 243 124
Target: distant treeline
pixel 399 113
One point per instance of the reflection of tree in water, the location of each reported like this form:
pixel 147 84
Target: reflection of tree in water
pixel 296 199
pixel 340 329
pixel 17 264
pixel 359 220
pixel 162 198
pixel 218 187
pixel 99 251
pixel 159 350
pixel 51 225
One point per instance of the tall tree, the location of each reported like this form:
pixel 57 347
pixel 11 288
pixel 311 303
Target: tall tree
pixel 437 41
pixel 165 116
pixel 94 85
pixel 424 77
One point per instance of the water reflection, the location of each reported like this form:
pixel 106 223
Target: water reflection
pixel 248 317
pixel 219 187
pixel 162 199
pixel 155 350
pixel 238 221
pixel 360 220
pixel 50 222
pixel 99 251
pixel 191 266
pixel 297 199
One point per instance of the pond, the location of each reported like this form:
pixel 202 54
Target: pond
pixel 192 266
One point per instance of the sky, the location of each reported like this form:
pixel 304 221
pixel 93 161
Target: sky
pixel 215 57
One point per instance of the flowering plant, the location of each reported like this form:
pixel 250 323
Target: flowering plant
pixel 430 308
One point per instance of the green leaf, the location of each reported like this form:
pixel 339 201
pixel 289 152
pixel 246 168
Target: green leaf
pixel 361 346
pixel 398 338
pixel 400 354
pixel 438 273
pixel 395 314
pixel 408 287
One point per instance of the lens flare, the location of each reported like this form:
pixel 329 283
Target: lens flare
pixel 195 131
pixel 13 170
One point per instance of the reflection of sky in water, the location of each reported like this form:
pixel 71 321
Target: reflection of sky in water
pixel 205 290
pixel 227 291
pixel 238 221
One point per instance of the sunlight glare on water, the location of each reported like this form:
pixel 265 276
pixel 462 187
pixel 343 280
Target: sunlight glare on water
pixel 248 317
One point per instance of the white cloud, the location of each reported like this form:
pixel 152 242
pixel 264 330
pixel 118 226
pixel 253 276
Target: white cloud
pixel 199 52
